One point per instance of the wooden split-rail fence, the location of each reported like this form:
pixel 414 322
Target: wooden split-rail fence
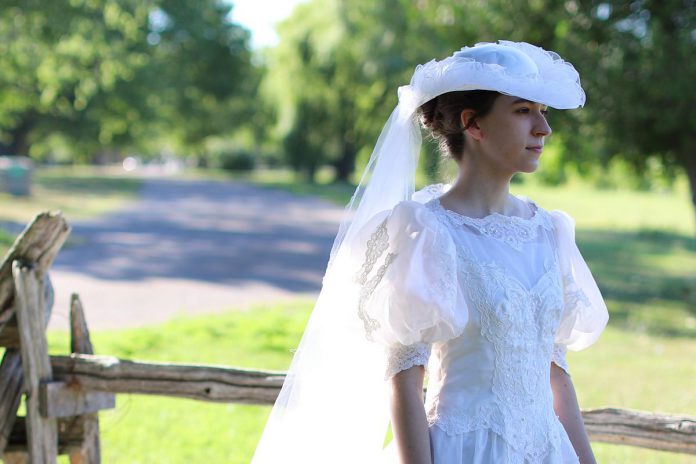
pixel 63 394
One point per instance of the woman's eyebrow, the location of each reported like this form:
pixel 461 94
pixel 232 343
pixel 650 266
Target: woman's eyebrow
pixel 529 102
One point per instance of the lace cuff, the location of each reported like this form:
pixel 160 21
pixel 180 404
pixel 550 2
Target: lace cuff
pixel 559 357
pixel 401 357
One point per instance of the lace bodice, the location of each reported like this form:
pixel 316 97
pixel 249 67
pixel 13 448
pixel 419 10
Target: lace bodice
pixel 489 369
pixel 513 322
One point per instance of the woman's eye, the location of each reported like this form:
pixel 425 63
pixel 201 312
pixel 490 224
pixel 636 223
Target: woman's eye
pixel 545 112
pixel 523 110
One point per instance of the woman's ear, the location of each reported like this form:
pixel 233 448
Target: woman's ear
pixel 470 123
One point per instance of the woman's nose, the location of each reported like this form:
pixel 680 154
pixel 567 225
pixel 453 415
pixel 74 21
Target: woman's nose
pixel 542 128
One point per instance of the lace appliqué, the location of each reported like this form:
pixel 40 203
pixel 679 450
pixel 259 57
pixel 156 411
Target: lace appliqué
pixel 573 296
pixel 559 357
pixel 512 230
pixel 377 244
pixel 429 192
pixel 520 323
pixel 402 357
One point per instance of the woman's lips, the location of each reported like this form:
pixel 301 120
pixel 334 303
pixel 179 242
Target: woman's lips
pixel 535 149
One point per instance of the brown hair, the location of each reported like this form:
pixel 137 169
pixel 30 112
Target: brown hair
pixel 441 116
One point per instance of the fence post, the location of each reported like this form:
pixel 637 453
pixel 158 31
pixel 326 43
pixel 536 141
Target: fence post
pixel 11 380
pixel 80 342
pixel 42 432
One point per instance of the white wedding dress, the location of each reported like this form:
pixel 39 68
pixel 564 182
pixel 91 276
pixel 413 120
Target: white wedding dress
pixel 487 304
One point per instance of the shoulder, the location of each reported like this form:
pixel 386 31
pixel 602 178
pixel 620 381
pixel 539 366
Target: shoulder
pixel 418 212
pixel 411 220
pixel 557 219
pixel 405 222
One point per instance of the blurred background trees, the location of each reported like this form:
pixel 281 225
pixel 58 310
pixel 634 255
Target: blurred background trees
pixel 86 80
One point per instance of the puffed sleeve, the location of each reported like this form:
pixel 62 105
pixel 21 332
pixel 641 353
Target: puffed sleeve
pixel 409 294
pixel 584 313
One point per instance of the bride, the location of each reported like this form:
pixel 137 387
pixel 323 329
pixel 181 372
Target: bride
pixel 466 285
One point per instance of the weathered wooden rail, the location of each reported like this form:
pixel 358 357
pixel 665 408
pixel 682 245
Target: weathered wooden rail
pixel 64 393
pixel 232 385
pixel 208 383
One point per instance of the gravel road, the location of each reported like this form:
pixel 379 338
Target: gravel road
pixel 194 247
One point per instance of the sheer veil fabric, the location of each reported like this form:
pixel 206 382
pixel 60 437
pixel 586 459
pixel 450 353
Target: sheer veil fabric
pixel 334 406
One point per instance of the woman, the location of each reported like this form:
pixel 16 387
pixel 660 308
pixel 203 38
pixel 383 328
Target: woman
pixel 484 288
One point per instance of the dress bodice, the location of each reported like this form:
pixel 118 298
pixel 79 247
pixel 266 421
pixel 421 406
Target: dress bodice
pixel 496 373
pixel 487 304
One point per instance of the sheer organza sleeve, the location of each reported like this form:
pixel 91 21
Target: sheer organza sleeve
pixel 584 314
pixel 409 295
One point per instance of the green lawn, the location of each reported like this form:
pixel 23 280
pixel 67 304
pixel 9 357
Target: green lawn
pixel 148 430
pixel 79 192
pixel 6 239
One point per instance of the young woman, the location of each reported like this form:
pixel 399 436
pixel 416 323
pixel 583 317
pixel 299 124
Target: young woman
pixel 482 289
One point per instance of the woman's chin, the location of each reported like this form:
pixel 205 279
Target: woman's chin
pixel 532 166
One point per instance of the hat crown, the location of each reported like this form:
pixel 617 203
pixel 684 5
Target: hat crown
pixel 513 61
pixel 519 69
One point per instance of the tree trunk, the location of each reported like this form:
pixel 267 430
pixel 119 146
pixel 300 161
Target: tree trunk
pixel 19 144
pixel 346 163
pixel 688 161
pixel 310 173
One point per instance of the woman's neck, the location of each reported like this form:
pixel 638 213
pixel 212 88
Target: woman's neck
pixel 480 191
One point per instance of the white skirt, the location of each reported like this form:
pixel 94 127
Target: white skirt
pixel 483 446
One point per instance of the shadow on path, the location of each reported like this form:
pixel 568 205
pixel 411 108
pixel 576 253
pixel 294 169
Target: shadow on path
pixel 216 232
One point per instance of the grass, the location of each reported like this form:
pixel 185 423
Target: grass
pixel 79 192
pixel 623 369
pixel 146 429
pixel 641 249
pixel 6 239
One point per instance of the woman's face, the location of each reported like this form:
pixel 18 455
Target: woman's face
pixel 511 135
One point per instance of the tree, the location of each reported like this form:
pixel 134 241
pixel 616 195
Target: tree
pixel 118 73
pixel 345 58
pixel 642 81
pixel 56 57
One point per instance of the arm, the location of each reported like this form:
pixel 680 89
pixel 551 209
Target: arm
pixel 565 403
pixel 409 425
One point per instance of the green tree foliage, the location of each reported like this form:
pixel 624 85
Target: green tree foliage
pixel 116 74
pixel 203 66
pixel 635 59
pixel 55 57
pixel 341 61
pixel 640 58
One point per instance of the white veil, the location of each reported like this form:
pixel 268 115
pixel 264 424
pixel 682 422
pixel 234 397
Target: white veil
pixel 333 407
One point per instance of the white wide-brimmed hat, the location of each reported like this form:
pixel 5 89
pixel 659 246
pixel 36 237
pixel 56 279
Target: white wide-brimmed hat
pixel 512 68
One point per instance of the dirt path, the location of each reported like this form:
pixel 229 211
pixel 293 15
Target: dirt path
pixel 194 247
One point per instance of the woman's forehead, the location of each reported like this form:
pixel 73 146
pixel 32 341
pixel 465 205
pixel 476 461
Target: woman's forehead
pixel 513 100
